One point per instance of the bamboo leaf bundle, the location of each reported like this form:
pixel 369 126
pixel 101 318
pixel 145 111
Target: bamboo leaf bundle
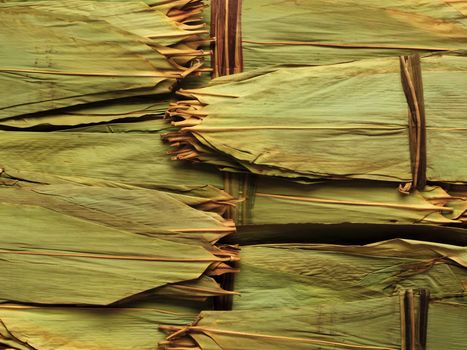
pixel 137 210
pixel 190 191
pixel 124 49
pixel 73 328
pixel 390 323
pixel 136 109
pixel 107 264
pixel 133 159
pixel 294 275
pixel 343 121
pixel 321 32
pixel 266 201
pixel 263 200
pixel 346 325
pixel 102 159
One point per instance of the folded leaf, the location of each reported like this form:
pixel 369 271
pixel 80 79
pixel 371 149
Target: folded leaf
pixel 137 159
pixel 342 121
pixel 78 328
pixel 373 324
pixel 295 275
pixel 123 50
pixel 41 248
pixel 321 32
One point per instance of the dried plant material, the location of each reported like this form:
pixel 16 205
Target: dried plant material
pixel 375 324
pixel 99 238
pixel 294 275
pixel 264 200
pixel 390 323
pixel 138 159
pixel 321 32
pixel 94 51
pixel 138 210
pixel 80 328
pixel 342 121
pixel 120 111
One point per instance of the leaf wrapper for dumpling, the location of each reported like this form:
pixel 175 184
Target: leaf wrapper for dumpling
pixel 295 275
pixel 375 324
pixel 265 200
pixel 334 122
pixel 79 328
pixel 124 49
pixel 52 233
pixel 133 158
pixel 343 326
pixel 321 32
pixel 92 115
pixel 138 210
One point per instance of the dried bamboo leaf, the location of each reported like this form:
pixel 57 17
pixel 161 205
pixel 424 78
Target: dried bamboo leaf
pixel 119 55
pixel 87 115
pixel 273 276
pixel 446 314
pixel 375 324
pixel 340 126
pixel 40 254
pixel 268 201
pixel 321 32
pixel 199 290
pixel 73 328
pixel 367 325
pixel 138 210
pixel 134 159
pixel 151 126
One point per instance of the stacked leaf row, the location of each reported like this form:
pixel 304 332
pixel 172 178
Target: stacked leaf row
pixel 134 190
